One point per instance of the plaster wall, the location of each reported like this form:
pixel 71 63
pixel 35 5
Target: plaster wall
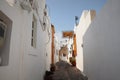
pixel 85 20
pixel 57 48
pixel 102 44
pixel 25 61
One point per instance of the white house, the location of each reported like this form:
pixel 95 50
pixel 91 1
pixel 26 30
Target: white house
pixel 85 21
pixel 57 48
pixel 24 39
pixel 101 44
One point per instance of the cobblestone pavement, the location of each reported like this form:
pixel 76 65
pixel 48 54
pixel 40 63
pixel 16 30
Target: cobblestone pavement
pixel 64 71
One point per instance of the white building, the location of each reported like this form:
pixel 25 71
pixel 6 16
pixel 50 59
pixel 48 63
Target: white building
pixel 63 49
pixel 70 48
pixel 25 41
pixel 85 21
pixel 57 48
pixel 102 44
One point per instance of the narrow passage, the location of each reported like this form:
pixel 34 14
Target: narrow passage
pixel 65 71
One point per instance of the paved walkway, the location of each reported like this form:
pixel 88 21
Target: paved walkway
pixel 64 71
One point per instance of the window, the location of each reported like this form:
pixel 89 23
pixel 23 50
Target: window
pixel 34 32
pixel 2 32
pixel 5 37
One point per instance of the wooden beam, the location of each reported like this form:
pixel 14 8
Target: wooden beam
pixel 68 34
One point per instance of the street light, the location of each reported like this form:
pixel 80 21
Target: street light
pixel 76 20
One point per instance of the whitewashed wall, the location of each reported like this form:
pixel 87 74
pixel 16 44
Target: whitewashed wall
pixel 57 48
pixel 85 20
pixel 25 62
pixel 102 44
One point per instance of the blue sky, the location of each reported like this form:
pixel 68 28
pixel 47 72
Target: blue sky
pixel 63 12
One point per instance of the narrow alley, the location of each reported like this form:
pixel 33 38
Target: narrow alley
pixel 59 39
pixel 65 71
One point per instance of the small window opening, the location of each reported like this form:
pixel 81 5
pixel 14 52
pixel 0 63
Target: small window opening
pixel 34 32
